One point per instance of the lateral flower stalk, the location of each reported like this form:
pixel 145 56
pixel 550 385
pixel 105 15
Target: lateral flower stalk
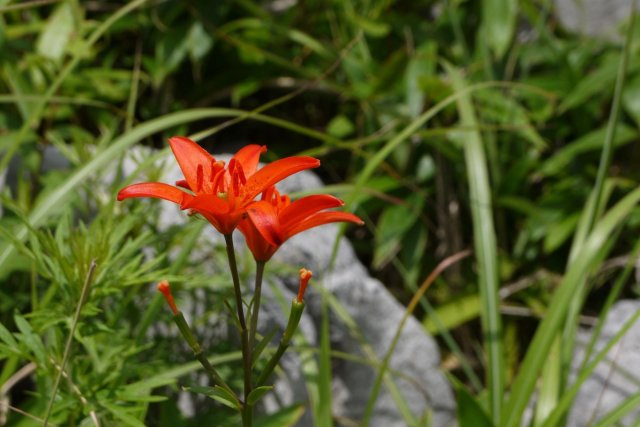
pixel 295 314
pixel 190 338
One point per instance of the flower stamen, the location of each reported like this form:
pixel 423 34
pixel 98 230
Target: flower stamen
pixel 199 178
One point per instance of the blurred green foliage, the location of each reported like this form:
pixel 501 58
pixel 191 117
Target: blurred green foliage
pixel 92 78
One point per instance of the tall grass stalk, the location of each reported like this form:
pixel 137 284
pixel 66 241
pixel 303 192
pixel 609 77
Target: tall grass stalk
pixel 486 250
pixel 84 295
pixel 593 250
pixel 382 370
pixel 568 335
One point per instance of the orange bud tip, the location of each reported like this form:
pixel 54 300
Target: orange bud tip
pixel 164 288
pixel 305 276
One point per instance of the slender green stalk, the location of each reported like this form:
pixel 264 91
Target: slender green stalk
pixel 26 5
pixel 190 338
pixel 67 348
pixel 247 412
pixel 295 314
pixel 135 83
pixel 256 304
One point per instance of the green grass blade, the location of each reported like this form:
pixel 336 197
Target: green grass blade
pixel 533 362
pixel 486 250
pixel 324 418
pixel 585 372
pixel 613 417
pixel 612 297
pixel 593 210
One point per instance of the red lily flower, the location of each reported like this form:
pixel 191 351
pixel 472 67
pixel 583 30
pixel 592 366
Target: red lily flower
pixel 274 219
pixel 219 194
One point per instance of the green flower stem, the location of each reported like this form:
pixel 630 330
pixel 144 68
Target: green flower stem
pixel 297 307
pixel 188 336
pixel 256 303
pixel 247 411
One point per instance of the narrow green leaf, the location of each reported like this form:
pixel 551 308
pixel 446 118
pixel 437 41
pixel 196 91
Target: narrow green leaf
pixel 325 418
pixel 308 41
pixel 470 411
pixel 371 28
pixel 613 418
pixel 485 245
pixel 287 417
pixel 29 338
pixel 216 393
pixel 7 337
pixel 592 249
pixel 590 142
pixel 57 33
pixel 599 81
pixel 631 99
pixel 257 351
pixel 340 127
pixel 585 373
pixel 257 394
pixel 123 414
pixel 394 222
pixel 498 23
pixel 454 313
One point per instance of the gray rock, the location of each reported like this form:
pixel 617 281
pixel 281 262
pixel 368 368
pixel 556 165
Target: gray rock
pixel 600 18
pixel 377 315
pixel 617 377
pixel 366 301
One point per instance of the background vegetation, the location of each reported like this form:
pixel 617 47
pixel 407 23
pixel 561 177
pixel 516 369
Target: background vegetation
pixel 446 125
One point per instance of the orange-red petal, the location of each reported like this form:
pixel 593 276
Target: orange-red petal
pixel 259 247
pixel 248 157
pixel 306 206
pixel 195 163
pixel 157 190
pixel 265 218
pixel 320 218
pixel 208 203
pixel 275 172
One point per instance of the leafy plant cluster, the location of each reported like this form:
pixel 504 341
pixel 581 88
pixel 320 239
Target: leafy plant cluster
pixel 447 124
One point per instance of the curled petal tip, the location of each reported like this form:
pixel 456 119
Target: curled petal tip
pixel 180 139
